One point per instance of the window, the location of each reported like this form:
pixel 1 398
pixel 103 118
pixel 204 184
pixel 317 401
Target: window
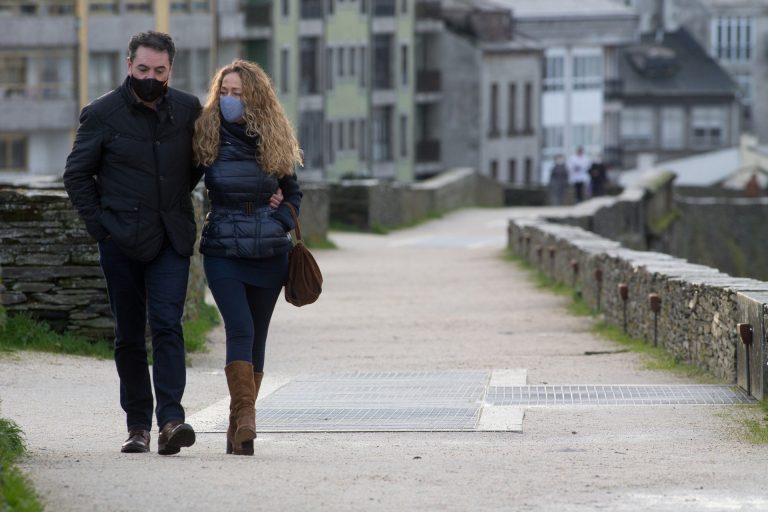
pixel 586 135
pixel 340 129
pixel 352 61
pixel 363 66
pixel 363 140
pixel 528 171
pixel 18 7
pixel 60 8
pixel 308 69
pixel 382 61
pixel 512 171
pixel 138 6
pixel 404 6
pixel 286 8
pixel 494 169
pixel 102 6
pixel 512 109
pixel 708 125
pixel 637 127
pixel 311 137
pixel 352 135
pixel 554 140
pixel 187 6
pixel 284 71
pixel 745 87
pixel 554 79
pixel 404 64
pixel 13 152
pixel 181 65
pixel 528 109
pixel 331 7
pixel 732 38
pixel 587 72
pixel 340 61
pixel 384 7
pixel 311 9
pixel 493 129
pixel 672 128
pixel 403 135
pixel 329 68
pixel 102 73
pixel 37 74
pixel 331 147
pixel 382 134
pixel 363 6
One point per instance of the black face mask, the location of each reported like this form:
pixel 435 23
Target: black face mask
pixel 148 89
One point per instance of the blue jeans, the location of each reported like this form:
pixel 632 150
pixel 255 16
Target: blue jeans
pixel 157 289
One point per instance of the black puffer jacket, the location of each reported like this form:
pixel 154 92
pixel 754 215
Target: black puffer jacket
pixel 130 171
pixel 241 224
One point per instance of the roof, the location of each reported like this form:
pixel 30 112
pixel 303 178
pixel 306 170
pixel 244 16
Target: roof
pixel 565 8
pixel 675 65
pixel 701 170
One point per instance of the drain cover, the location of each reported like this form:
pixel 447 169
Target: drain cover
pixel 531 396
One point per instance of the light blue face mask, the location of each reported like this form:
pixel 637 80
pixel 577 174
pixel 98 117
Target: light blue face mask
pixel 232 109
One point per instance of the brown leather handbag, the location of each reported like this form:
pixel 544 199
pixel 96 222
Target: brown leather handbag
pixel 305 282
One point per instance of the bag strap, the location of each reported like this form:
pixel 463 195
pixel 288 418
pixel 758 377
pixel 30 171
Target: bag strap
pixel 296 228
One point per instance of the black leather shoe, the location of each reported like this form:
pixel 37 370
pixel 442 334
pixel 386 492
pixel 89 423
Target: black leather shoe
pixel 137 442
pixel 174 436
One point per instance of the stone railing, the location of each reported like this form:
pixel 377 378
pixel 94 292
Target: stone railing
pixel 700 307
pixel 367 204
pixel 49 266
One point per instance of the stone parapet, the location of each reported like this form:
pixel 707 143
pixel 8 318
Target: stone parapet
pixel 700 306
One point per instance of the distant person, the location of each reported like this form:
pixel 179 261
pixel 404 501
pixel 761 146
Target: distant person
pixel 598 175
pixel 130 174
pixel 578 169
pixel 558 182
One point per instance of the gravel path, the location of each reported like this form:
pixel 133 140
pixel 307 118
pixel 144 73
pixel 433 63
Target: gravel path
pixel 435 297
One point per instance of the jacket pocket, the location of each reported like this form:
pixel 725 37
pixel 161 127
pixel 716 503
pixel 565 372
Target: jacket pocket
pixel 121 219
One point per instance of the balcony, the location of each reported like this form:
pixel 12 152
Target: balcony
pixel 428 9
pixel 258 15
pixel 428 151
pixel 613 88
pixel 428 81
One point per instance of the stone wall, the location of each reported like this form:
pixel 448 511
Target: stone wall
pixel 371 204
pixel 700 306
pixel 49 266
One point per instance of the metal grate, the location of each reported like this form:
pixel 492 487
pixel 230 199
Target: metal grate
pixel 532 396
pixel 376 401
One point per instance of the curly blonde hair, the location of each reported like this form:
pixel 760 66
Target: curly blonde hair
pixel 278 148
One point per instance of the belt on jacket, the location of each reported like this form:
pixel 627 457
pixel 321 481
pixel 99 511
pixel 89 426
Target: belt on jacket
pixel 248 208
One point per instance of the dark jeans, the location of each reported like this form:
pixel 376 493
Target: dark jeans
pixel 246 311
pixel 157 288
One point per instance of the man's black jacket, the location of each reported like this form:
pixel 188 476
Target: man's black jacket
pixel 130 171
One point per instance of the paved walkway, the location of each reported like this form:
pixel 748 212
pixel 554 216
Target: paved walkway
pixel 435 298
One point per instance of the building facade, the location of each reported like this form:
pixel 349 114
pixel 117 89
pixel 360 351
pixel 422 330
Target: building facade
pixel 580 40
pixel 491 101
pixel 58 55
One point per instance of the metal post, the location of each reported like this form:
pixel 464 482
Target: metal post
pixel 599 280
pixel 746 333
pixel 654 302
pixel 624 294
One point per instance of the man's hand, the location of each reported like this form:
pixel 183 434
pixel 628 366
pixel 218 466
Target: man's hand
pixel 276 198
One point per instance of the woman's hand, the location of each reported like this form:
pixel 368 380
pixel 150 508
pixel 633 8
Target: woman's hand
pixel 276 198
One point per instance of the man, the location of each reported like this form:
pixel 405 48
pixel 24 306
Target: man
pixel 578 168
pixel 130 174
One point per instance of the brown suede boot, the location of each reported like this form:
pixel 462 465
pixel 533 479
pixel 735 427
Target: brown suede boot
pixel 242 394
pixel 246 448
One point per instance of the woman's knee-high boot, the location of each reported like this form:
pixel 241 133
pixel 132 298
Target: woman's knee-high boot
pixel 242 395
pixel 247 446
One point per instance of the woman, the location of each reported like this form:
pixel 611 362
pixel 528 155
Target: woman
pixel 248 150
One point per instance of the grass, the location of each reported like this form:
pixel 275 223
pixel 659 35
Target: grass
pixel 22 332
pixel 16 492
pixel 195 331
pixel 656 358
pixel 757 430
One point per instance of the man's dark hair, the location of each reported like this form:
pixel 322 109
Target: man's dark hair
pixel 159 41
